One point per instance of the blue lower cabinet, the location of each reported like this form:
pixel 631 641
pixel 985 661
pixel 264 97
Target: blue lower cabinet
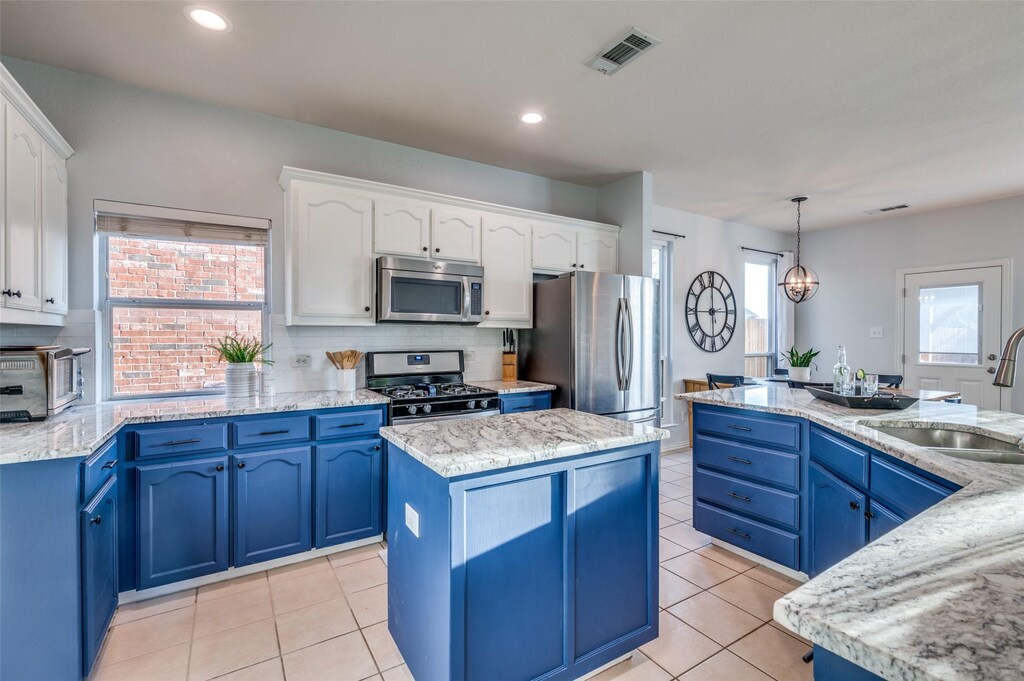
pixel 881 520
pixel 518 402
pixel 837 517
pixel 769 542
pixel 272 502
pixel 99 569
pixel 349 479
pixel 183 520
pixel 830 667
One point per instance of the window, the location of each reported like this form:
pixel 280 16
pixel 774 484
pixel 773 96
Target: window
pixel 759 328
pixel 950 329
pixel 661 269
pixel 171 291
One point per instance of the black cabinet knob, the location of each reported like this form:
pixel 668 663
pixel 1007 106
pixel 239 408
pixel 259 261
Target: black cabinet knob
pixel 8 292
pixel 366 309
pixel 487 312
pixel 97 520
pixel 869 515
pixel 425 249
pixel 376 448
pixel 582 266
pixel 574 265
pixel 854 505
pixel 437 250
pixel 241 464
pixel 220 467
pixel 51 301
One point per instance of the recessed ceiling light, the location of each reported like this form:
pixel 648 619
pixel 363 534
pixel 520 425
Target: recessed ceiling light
pixel 531 117
pixel 207 18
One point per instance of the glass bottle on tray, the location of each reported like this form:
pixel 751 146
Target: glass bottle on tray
pixel 842 378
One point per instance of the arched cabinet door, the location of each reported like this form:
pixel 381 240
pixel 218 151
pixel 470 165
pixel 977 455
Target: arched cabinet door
pixel 455 235
pixel 54 273
pixel 348 491
pixel 23 195
pixel 508 273
pixel 554 248
pixel 272 504
pixel 183 520
pixel 401 229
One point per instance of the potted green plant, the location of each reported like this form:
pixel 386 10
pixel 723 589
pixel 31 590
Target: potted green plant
pixel 800 363
pixel 241 353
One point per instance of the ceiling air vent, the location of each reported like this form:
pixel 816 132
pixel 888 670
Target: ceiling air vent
pixel 622 50
pixel 888 209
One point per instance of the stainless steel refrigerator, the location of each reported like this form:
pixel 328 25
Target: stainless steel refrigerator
pixel 598 338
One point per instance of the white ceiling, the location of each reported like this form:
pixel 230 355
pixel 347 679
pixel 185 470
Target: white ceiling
pixel 857 104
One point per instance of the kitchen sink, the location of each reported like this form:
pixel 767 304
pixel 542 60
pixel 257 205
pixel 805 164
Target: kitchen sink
pixel 959 444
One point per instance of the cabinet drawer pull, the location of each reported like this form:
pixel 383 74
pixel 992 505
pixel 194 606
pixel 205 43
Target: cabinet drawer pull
pixel 743 428
pixel 274 432
pixel 51 301
pixel 351 425
pixel 97 520
pixel 869 515
pixel 854 505
pixel 523 407
pixel 742 535
pixel 738 496
pixel 110 464
pixel 739 460
pixel 174 443
pixel 220 467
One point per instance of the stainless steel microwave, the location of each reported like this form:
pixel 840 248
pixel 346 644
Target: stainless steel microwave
pixel 411 290
pixel 36 382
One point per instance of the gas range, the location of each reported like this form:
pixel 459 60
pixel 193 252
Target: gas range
pixel 427 386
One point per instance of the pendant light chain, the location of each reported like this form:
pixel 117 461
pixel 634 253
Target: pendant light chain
pixel 798 232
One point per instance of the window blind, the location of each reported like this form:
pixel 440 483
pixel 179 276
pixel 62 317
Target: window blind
pixel 115 218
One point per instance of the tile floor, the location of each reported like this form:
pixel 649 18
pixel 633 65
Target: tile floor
pixel 325 619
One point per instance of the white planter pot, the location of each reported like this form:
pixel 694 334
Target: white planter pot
pixel 240 380
pixel 800 374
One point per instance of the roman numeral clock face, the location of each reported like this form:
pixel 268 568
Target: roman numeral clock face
pixel 710 311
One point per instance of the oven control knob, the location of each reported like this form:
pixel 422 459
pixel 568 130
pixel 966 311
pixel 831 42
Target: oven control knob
pixel 426 408
pixel 483 404
pixel 471 404
pixel 411 408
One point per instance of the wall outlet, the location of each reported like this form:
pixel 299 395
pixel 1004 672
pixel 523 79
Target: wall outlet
pixel 412 520
pixel 468 355
pixel 302 361
pixel 875 332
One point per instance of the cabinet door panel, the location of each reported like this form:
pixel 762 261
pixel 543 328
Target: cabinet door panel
pixel 401 229
pixel 882 520
pixel 272 504
pixel 183 520
pixel 332 258
pixel 99 570
pixel 54 260
pixel 838 525
pixel 614 552
pixel 515 579
pixel 455 235
pixel 349 480
pixel 23 198
pixel 597 252
pixel 508 276
pixel 554 248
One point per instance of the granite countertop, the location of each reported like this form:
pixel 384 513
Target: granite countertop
pixel 509 387
pixel 942 596
pixel 80 430
pixel 465 446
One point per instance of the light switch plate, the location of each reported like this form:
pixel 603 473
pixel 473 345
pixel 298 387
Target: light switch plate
pixel 875 332
pixel 412 520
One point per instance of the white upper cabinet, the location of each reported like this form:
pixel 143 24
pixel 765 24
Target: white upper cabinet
pixel 455 235
pixel 554 248
pixel 597 251
pixel 508 275
pixel 330 263
pixel 23 198
pixel 55 233
pixel 401 228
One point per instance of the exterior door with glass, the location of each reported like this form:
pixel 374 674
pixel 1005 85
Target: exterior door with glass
pixel 952 329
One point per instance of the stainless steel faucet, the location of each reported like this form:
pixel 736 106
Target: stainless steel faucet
pixel 1008 362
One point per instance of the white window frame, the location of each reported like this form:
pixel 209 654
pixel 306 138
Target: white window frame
pixel 108 304
pixel 666 247
pixel 773 314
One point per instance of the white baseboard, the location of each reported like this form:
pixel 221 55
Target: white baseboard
pixel 789 572
pixel 603 667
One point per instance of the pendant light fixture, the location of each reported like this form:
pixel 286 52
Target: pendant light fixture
pixel 800 283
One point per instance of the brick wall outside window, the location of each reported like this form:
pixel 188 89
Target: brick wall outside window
pixel 159 349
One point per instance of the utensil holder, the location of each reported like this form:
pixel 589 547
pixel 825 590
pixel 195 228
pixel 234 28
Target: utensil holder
pixel 509 371
pixel 347 380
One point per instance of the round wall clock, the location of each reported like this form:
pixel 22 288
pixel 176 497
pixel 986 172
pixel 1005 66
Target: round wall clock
pixel 710 311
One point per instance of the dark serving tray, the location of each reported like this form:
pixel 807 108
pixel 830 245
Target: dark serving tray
pixel 880 401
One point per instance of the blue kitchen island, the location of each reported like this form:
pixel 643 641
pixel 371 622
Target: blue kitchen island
pixel 521 546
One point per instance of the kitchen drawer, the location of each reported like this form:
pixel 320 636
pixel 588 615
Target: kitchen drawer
pixel 349 424
pixel 760 429
pixel 902 491
pixel 848 460
pixel 516 403
pixel 749 461
pixel 203 437
pixel 271 431
pixel 769 542
pixel 98 468
pixel 762 502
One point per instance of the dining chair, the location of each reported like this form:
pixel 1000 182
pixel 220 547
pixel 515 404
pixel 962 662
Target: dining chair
pixel 716 381
pixel 890 380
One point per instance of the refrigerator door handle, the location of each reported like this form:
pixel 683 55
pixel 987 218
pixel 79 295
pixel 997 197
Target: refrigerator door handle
pixel 629 355
pixel 619 344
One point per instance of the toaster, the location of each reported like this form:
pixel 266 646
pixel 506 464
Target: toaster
pixel 40 381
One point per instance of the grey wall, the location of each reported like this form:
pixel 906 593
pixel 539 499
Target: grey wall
pixel 710 244
pixel 143 146
pixel 629 203
pixel 857 268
